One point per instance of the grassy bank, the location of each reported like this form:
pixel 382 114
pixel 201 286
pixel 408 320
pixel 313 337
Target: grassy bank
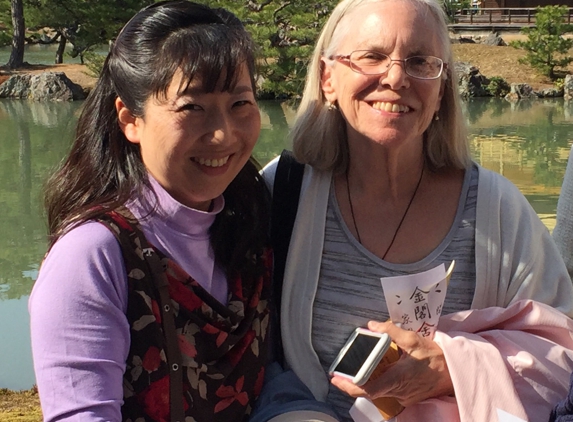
pixel 20 406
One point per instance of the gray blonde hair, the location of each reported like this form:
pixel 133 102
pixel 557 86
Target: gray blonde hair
pixel 319 134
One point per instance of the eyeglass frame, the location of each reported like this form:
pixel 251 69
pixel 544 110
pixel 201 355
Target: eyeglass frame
pixel 346 58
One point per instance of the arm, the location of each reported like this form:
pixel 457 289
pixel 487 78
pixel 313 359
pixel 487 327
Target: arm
pixel 80 334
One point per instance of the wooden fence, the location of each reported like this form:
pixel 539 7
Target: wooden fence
pixel 518 16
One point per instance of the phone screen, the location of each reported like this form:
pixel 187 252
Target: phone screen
pixel 357 354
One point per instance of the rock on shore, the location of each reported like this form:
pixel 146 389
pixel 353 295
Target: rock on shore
pixel 46 86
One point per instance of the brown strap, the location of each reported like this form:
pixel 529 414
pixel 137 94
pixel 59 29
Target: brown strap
pixel 174 359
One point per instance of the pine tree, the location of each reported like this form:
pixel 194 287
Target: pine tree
pixel 545 45
pixel 286 32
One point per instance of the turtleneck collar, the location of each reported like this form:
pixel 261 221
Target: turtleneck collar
pixel 175 215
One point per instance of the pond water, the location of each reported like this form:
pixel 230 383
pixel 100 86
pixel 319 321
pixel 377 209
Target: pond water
pixel 528 143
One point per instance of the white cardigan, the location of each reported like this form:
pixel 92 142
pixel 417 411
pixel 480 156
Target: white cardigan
pixel 563 232
pixel 515 257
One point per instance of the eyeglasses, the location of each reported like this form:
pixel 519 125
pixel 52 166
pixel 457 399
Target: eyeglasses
pixel 373 63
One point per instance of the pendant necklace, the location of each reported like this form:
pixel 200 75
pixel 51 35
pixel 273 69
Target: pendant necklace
pixel 399 224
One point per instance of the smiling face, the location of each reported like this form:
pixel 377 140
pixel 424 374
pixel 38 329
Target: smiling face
pixel 393 108
pixel 194 143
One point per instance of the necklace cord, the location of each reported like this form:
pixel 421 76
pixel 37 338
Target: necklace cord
pixel 399 224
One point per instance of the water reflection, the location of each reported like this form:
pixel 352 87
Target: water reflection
pixel 527 142
pixel 34 137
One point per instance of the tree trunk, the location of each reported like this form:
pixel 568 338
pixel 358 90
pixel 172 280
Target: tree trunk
pixel 61 49
pixel 17 55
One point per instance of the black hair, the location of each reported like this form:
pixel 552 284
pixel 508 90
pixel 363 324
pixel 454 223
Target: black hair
pixel 104 170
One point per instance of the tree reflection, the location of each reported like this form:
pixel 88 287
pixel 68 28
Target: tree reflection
pixel 541 131
pixel 33 138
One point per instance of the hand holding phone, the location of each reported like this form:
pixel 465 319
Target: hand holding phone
pixel 360 355
pixel 364 356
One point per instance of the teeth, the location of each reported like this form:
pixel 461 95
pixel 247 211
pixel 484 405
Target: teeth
pixel 212 162
pixel 390 107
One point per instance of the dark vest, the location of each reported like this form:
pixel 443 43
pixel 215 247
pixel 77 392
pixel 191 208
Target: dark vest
pixel 222 348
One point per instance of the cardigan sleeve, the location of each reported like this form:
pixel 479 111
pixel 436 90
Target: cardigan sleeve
pixel 516 258
pixel 80 334
pixel 512 352
pixel 563 232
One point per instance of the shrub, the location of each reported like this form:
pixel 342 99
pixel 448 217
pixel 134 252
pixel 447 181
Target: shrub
pixel 545 46
pixel 94 62
pixel 498 87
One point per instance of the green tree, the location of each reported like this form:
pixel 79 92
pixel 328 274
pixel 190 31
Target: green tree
pixel 82 23
pixel 545 45
pixel 285 31
pixel 452 7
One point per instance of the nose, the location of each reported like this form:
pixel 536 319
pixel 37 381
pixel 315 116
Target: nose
pixel 219 129
pixel 395 77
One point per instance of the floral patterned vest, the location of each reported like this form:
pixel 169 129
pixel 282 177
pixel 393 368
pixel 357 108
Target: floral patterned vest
pixel 217 370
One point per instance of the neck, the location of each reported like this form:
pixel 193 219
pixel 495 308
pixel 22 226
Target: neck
pixel 391 179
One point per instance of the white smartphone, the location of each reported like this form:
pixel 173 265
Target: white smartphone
pixel 360 355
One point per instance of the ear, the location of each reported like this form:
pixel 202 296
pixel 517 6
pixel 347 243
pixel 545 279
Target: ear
pixel 327 82
pixel 128 123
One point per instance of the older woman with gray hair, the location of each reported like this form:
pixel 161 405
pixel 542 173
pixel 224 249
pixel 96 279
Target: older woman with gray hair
pixel 389 189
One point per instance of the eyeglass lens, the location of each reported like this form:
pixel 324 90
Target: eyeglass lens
pixel 373 63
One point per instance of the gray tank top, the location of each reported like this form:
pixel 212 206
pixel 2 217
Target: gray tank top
pixel 350 294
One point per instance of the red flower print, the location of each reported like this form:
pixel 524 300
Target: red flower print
pixel 237 352
pixel 210 329
pixel 187 348
pixel 236 287
pixel 120 221
pixel 230 394
pixel 155 400
pixel 152 359
pixel 259 382
pixel 156 311
pixel 183 295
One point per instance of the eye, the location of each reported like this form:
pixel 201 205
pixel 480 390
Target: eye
pixel 368 58
pixel 419 61
pixel 190 107
pixel 241 103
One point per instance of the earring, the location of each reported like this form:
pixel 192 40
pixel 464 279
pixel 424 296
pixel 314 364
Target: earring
pixel 331 106
pixel 436 117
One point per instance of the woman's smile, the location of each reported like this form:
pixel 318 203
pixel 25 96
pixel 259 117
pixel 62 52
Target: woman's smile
pixel 390 107
pixel 211 162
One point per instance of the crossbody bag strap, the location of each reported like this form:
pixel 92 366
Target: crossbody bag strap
pixel 174 359
pixel 286 193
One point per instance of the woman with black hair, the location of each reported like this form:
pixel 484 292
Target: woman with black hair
pixel 151 303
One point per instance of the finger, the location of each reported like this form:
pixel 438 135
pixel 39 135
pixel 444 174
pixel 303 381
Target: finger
pixel 380 327
pixel 406 340
pixel 348 387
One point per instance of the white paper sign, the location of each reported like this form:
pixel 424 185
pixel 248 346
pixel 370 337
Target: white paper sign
pixel 363 410
pixel 415 301
pixel 507 417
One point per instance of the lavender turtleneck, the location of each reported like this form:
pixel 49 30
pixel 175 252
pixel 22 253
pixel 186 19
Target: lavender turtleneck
pixel 80 334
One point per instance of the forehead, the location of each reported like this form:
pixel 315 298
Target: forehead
pixel 388 25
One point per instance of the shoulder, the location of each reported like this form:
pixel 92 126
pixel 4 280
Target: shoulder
pixel 86 261
pixel 87 241
pixel 269 172
pixel 499 192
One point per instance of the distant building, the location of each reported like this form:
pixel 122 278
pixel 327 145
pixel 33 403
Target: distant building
pixel 524 3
